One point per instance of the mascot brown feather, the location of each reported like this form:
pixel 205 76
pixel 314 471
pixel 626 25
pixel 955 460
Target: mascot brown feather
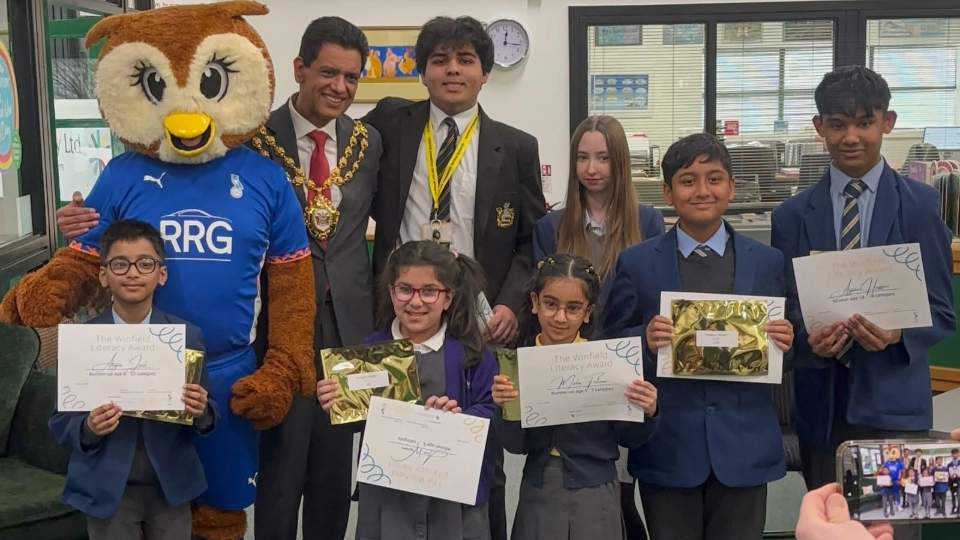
pixel 184 87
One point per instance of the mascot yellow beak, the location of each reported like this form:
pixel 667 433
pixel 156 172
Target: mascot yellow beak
pixel 189 134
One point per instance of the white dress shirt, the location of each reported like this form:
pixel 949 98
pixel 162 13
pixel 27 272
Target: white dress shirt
pixel 463 186
pixel 302 128
pixel 434 344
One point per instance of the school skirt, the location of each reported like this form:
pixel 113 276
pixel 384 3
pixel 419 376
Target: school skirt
pixel 389 514
pixel 552 512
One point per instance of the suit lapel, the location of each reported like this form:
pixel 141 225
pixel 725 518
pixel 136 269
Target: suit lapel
pixel 818 219
pixel 411 134
pixel 667 269
pixel 885 208
pixel 344 130
pixel 280 125
pixel 158 317
pixel 489 158
pixel 744 270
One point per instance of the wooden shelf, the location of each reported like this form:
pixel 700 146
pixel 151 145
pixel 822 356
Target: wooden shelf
pixel 944 379
pixel 956 256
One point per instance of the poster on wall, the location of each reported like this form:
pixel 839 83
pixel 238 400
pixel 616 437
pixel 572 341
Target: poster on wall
pixel 617 35
pixel 744 32
pixel 913 28
pixel 390 68
pixel 10 148
pixel 82 153
pixel 683 34
pixel 619 92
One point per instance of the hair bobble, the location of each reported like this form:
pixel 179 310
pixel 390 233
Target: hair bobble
pixel 548 260
pixel 455 254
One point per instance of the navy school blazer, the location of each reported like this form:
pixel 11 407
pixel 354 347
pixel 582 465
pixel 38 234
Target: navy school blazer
pixel 472 390
pixel 888 389
pixel 729 428
pixel 547 228
pixel 97 476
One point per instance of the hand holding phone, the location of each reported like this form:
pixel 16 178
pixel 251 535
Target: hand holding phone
pixel 900 481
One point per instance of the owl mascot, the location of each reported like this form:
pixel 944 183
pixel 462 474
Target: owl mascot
pixel 184 88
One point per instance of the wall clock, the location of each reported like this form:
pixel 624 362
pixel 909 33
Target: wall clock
pixel 511 43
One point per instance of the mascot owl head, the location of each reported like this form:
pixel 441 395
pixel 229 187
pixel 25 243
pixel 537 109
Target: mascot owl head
pixel 184 84
pixel 891 452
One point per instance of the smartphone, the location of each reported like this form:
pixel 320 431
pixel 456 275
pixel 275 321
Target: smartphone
pixel 901 481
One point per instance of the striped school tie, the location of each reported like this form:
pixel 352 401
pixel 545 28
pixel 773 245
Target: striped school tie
pixel 443 158
pixel 850 235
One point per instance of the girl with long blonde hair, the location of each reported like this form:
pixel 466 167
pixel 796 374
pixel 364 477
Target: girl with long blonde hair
pixel 601 216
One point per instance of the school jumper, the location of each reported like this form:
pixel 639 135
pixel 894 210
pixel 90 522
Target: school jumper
pixel 704 472
pixel 389 514
pixel 570 489
pixel 144 470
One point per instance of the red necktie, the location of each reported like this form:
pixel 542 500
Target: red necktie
pixel 319 168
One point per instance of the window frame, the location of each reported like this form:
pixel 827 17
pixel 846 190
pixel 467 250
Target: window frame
pixel 849 45
pixel 31 64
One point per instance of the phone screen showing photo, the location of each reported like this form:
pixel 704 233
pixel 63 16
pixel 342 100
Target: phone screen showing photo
pixel 901 481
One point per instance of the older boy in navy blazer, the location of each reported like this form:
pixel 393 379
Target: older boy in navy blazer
pixel 854 380
pixel 130 475
pixel 704 473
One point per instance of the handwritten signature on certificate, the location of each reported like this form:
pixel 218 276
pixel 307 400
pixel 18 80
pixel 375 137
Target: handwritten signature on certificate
pixel 139 367
pixel 885 284
pixel 410 449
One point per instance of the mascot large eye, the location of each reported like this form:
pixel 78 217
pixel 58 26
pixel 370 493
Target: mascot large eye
pixel 216 79
pixel 151 83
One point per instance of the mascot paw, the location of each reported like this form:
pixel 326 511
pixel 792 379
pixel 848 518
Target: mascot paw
pixel 215 524
pixel 262 398
pixel 37 301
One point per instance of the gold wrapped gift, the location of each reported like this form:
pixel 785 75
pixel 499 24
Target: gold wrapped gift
pixel 193 363
pixel 387 370
pixel 507 358
pixel 746 355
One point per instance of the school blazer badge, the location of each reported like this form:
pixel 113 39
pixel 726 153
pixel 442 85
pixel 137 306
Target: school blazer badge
pixel 505 216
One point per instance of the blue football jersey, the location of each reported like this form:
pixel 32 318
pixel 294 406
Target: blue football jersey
pixel 221 222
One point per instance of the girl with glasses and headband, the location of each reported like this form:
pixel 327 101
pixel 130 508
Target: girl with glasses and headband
pixel 570 489
pixel 428 294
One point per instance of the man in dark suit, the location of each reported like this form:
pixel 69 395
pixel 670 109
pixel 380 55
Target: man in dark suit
pixel 305 456
pixel 853 379
pixel 487 203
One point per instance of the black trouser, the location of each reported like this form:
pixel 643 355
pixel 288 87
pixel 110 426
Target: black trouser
pixel 305 457
pixel 632 522
pixel 711 511
pixel 497 506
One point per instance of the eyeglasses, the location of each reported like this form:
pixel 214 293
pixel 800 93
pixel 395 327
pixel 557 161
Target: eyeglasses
pixel 550 308
pixel 120 267
pixel 428 295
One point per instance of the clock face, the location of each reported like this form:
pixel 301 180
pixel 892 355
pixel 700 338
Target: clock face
pixel 510 42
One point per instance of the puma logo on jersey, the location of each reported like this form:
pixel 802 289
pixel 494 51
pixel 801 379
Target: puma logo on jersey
pixel 148 178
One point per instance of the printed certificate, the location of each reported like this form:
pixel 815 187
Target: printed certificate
pixel 885 284
pixel 424 451
pixel 139 367
pixel 579 382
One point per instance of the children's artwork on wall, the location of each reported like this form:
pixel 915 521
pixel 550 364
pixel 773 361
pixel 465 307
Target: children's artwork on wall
pixel 619 92
pixel 391 67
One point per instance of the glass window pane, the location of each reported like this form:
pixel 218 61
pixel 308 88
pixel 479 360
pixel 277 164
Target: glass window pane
pixel 766 76
pixel 803 69
pixel 651 78
pixel 918 58
pixel 16 220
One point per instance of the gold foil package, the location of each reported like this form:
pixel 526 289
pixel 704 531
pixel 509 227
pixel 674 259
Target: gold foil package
pixel 720 337
pixel 193 363
pixel 387 370
pixel 507 358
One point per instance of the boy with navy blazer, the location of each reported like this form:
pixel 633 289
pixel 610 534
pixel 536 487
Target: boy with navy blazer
pixel 130 475
pixel 704 473
pixel 854 380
